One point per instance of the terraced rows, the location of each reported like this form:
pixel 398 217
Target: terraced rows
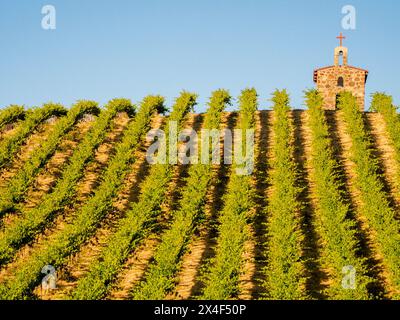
pixel 316 217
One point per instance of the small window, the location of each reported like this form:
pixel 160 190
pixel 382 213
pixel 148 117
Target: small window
pixel 340 82
pixel 341 58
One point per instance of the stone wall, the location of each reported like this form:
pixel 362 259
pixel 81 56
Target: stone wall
pixel 353 80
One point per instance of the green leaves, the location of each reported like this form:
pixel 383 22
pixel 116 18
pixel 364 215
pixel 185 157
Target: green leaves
pixel 336 229
pixel 218 102
pixel 285 269
pixel 122 105
pixel 91 213
pixel 383 104
pixel 248 105
pixel 375 206
pixel 34 117
pixel 160 275
pixel 223 274
pixel 32 221
pixel 137 221
pixel 11 114
pixel 19 184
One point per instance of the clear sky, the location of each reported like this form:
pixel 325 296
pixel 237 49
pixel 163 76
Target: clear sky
pixel 103 49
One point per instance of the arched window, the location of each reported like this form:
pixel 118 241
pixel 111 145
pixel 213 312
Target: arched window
pixel 341 58
pixel 340 82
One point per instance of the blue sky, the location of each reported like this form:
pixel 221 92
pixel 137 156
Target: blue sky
pixel 131 48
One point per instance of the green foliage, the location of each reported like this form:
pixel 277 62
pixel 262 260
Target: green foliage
pixel 218 101
pixel 10 114
pixel 138 220
pixel 383 104
pixel 375 206
pixel 336 229
pixel 223 275
pixel 18 185
pixel 11 145
pixel 160 274
pixel 121 105
pixel 32 221
pixel 285 270
pixel 91 213
pixel 248 105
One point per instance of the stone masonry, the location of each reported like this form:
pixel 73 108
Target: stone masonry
pixel 334 79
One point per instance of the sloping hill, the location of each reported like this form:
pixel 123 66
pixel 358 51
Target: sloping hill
pixel 317 277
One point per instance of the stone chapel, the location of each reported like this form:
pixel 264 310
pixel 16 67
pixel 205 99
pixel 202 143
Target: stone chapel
pixel 340 77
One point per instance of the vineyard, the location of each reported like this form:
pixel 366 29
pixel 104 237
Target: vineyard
pixel 316 218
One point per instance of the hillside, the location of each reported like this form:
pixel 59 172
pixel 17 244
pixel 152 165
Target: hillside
pixel 190 277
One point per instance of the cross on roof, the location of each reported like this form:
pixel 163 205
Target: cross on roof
pixel 341 37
